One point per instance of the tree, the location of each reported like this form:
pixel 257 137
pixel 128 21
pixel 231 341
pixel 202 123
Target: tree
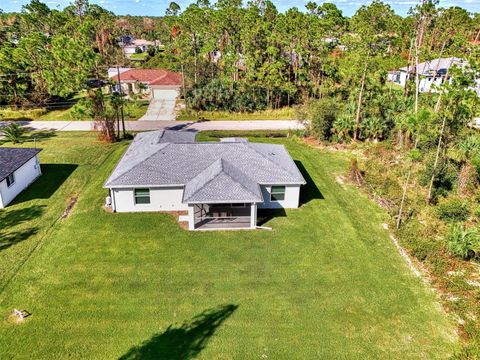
pixel 321 115
pixel 456 106
pixel 372 27
pixel 173 9
pixel 12 132
pixel 374 128
pixel 467 149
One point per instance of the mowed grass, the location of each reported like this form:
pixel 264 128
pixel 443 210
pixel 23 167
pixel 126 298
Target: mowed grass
pixel 132 111
pixel 326 282
pixel 286 113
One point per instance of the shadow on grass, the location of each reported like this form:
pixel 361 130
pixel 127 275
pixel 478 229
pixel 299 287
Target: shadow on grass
pixel 265 215
pixel 310 191
pixel 185 341
pixel 31 135
pixel 53 176
pixel 40 135
pixel 10 218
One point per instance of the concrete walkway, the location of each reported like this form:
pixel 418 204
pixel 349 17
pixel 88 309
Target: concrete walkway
pixel 180 125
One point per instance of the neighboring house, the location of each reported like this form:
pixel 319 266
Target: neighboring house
pixel 157 83
pixel 216 185
pixel 18 169
pixel 132 46
pixel 432 73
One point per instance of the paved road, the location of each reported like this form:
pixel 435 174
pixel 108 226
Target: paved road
pixel 180 125
pixel 160 109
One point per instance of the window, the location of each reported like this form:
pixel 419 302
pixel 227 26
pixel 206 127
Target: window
pixel 10 180
pixel 142 196
pixel 277 193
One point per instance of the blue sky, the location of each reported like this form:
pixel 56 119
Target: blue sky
pixel 157 7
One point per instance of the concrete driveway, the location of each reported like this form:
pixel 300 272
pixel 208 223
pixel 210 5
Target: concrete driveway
pixel 160 110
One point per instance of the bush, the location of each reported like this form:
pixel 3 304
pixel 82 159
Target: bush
pixel 463 242
pixel 452 210
pixel 220 95
pixel 445 176
pixel 322 113
pixel 12 132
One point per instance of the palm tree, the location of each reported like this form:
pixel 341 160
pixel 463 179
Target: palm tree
pixel 343 127
pixel 465 151
pixel 374 128
pixel 463 242
pixel 12 132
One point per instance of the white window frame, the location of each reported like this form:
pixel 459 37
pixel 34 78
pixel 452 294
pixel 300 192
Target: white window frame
pixel 135 196
pixel 10 180
pixel 273 194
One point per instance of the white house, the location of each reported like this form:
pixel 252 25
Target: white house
pixel 157 83
pixel 432 73
pixel 18 169
pixel 133 46
pixel 214 185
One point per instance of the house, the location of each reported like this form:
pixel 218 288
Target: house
pixel 214 185
pixel 157 83
pixel 432 73
pixel 18 169
pixel 131 46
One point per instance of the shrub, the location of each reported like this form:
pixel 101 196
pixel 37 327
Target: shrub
pixel 446 175
pixel 463 242
pixel 13 132
pixel 452 210
pixel 221 95
pixel 322 113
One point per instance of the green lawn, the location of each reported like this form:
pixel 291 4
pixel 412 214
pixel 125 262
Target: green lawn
pixel 327 282
pixel 132 111
pixel 287 113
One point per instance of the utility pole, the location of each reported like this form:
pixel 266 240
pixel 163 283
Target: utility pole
pixel 183 85
pixel 121 102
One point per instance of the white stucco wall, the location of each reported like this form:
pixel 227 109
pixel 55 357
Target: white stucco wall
pixel 292 198
pixel 161 199
pixel 24 176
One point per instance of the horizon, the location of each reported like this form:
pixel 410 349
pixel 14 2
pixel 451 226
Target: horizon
pixel 157 8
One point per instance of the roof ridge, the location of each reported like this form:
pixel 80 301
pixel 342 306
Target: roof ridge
pixel 206 182
pixel 160 77
pixel 224 171
pixel 246 175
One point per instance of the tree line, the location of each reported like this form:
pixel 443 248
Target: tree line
pixel 268 58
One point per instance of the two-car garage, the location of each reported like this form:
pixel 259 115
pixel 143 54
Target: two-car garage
pixel 165 92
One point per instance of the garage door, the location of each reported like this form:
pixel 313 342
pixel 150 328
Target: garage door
pixel 165 94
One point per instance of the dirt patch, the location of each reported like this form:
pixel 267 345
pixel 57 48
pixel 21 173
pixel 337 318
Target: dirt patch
pixel 71 203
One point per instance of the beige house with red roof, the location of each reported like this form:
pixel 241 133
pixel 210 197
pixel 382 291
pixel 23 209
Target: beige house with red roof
pixel 156 83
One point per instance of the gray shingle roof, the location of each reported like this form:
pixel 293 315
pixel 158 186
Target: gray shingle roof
pixel 435 65
pixel 215 171
pixel 12 159
pixel 219 182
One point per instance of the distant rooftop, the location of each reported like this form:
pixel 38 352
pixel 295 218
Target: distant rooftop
pixel 440 66
pixel 150 76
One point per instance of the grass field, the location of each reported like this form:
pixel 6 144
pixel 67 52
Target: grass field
pixel 279 114
pixel 326 283
pixel 132 111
